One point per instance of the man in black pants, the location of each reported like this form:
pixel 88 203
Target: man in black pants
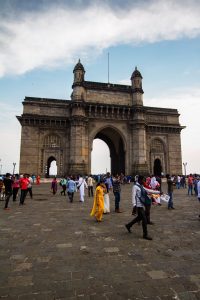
pixel 8 189
pixel 141 216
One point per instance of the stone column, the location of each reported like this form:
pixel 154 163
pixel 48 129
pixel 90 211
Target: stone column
pixel 175 158
pixel 139 160
pixel 78 163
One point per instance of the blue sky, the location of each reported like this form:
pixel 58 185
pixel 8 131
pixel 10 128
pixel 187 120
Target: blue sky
pixel 41 41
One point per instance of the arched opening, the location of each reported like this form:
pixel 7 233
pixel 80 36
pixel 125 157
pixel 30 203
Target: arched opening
pixel 115 144
pixel 51 167
pixel 157 168
pixel 100 157
pixel 157 157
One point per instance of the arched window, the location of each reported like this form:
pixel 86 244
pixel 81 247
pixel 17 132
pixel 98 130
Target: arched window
pixel 157 146
pixel 52 141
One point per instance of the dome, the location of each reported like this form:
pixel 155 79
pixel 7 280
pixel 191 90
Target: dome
pixel 136 73
pixel 79 66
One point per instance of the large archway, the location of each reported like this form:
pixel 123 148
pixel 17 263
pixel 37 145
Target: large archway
pixel 116 146
pixel 100 157
pixel 51 169
pixel 157 169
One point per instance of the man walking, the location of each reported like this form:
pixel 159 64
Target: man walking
pixel 8 189
pixel 90 186
pixel 71 188
pixel 137 201
pixel 81 186
pixel 23 182
pixel 116 192
pixel 170 191
pixel 30 186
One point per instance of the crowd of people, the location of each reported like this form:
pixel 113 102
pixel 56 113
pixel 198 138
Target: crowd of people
pixel 10 186
pixel 145 192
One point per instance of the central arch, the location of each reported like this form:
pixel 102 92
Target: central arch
pixel 50 160
pixel 157 169
pixel 115 142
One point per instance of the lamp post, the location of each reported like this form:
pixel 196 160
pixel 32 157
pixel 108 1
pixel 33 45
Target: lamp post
pixel 14 164
pixel 0 167
pixel 185 165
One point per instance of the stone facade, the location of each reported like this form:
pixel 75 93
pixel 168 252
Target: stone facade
pixel 141 139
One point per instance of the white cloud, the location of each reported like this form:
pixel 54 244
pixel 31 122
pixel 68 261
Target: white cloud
pixel 58 35
pixel 10 138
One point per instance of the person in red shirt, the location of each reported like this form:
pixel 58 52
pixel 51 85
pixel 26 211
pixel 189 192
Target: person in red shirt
pixel 15 186
pixel 23 182
pixel 190 184
pixel 38 179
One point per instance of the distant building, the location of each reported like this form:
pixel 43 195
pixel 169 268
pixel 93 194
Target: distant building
pixel 141 139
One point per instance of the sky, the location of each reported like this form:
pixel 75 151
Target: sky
pixel 41 41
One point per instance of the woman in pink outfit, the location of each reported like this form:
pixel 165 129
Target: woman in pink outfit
pixel 15 186
pixel 54 186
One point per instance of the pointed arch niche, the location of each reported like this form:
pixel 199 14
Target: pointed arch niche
pixel 52 155
pixel 157 157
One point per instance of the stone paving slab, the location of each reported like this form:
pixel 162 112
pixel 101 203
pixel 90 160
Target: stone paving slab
pixel 52 249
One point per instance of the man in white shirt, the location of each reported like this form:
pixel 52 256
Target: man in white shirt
pixel 30 186
pixel 137 201
pixel 90 186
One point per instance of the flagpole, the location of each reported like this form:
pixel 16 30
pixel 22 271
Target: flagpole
pixel 108 67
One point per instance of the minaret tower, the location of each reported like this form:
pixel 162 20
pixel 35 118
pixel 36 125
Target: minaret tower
pixel 136 82
pixel 138 125
pixel 79 73
pixel 78 89
pixel 78 137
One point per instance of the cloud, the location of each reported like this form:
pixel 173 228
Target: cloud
pixel 10 137
pixel 58 35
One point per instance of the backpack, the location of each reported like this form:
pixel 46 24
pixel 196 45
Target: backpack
pixel 144 198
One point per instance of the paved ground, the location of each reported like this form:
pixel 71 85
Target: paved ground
pixel 52 249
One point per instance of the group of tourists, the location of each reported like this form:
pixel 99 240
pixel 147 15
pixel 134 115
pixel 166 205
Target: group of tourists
pixel 190 182
pixel 145 193
pixel 10 186
pixel 72 184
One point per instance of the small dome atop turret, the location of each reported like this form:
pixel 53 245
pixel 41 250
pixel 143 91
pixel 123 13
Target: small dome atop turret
pixel 79 66
pixel 136 73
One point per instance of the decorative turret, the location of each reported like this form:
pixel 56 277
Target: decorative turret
pixel 78 93
pixel 136 81
pixel 79 73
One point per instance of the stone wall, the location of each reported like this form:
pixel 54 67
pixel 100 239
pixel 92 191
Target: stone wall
pixel 108 97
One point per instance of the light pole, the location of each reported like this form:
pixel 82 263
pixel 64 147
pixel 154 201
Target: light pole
pixel 14 164
pixel 0 167
pixel 185 165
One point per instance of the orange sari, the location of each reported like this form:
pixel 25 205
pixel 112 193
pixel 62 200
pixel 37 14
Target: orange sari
pixel 98 205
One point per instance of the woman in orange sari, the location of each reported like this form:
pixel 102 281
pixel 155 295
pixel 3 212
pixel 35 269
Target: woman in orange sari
pixel 38 179
pixel 98 205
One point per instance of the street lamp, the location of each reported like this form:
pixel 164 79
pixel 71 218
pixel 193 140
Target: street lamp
pixel 185 165
pixel 0 167
pixel 14 164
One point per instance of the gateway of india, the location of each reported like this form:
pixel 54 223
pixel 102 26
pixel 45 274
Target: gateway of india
pixel 141 139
